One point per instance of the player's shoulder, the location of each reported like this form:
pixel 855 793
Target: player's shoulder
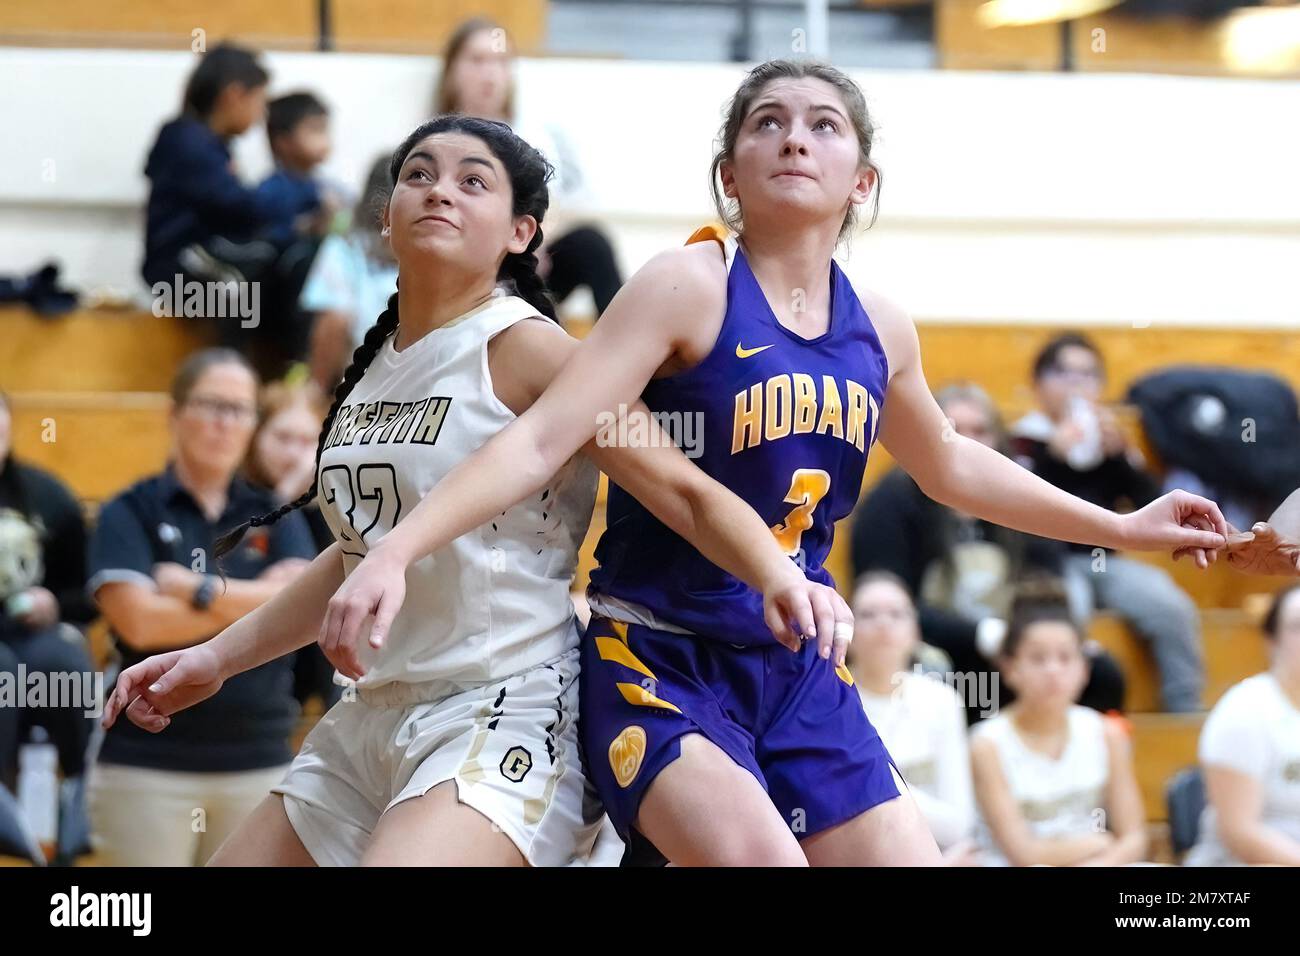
pixel 893 323
pixel 1247 698
pixel 695 272
pixel 882 309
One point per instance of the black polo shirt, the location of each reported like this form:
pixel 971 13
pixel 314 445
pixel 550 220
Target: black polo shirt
pixel 247 724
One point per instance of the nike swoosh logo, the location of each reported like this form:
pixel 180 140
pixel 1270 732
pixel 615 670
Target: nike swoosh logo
pixel 742 352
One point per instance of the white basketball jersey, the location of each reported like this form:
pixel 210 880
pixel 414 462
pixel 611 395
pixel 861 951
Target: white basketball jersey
pixel 495 602
pixel 1062 797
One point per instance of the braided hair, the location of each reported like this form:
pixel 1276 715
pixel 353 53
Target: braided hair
pixel 529 173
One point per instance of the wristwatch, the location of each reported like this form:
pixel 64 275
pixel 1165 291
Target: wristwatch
pixel 204 593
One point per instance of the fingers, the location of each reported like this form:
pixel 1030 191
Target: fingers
pixel 389 605
pixel 343 618
pixel 1185 537
pixel 1239 540
pixel 1189 502
pixel 824 617
pixel 776 623
pixel 800 610
pixel 843 628
pixel 131 682
pixel 1204 557
pixel 144 715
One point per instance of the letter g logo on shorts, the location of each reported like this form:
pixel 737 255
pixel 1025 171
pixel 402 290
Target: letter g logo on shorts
pixel 516 764
pixel 625 754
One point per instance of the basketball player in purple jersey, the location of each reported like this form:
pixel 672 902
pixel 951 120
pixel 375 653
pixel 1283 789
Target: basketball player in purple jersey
pixel 701 732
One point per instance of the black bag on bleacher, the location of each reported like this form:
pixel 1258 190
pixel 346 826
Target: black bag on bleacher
pixel 1238 431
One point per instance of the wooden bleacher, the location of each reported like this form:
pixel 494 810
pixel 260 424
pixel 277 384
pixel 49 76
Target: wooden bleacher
pixel 404 26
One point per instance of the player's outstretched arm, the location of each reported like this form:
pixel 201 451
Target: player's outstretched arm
pixel 151 691
pixel 978 480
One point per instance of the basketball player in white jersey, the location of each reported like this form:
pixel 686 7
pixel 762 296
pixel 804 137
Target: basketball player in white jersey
pixel 460 746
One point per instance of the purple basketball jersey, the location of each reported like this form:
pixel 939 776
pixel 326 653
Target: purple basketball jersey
pixel 787 424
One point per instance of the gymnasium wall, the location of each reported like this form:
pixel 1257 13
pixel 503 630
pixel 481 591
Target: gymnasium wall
pixel 1009 198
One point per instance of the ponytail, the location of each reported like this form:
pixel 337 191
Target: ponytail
pixel 384 326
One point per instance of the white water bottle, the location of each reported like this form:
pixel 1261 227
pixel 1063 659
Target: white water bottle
pixel 1086 454
pixel 38 788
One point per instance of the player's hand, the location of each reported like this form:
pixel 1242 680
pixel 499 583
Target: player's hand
pixel 1179 522
pixel 1261 550
pixel 151 691
pixel 363 608
pixel 797 609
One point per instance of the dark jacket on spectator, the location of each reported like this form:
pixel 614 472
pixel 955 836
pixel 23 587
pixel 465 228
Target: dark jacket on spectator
pixel 195 195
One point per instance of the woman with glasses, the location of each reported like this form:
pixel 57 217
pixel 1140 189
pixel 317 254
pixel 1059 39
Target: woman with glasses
pixel 170 799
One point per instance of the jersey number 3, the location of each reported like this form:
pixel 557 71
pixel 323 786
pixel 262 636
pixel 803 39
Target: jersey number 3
pixel 808 486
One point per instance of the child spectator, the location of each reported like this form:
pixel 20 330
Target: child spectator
pixel 1054 781
pixel 349 283
pixel 1250 755
pixel 297 128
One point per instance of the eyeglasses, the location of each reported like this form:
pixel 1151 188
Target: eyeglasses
pixel 1082 375
pixel 215 409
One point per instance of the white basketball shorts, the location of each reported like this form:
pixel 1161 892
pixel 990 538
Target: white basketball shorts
pixel 511 747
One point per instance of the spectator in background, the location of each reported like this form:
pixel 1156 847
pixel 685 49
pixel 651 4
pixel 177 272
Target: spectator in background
pixel 1076 444
pixel 282 458
pixel 920 719
pixel 1250 755
pixel 150 573
pixel 298 132
pixel 963 569
pixel 477 78
pixel 1054 781
pixel 202 223
pixel 349 283
pixel 42 587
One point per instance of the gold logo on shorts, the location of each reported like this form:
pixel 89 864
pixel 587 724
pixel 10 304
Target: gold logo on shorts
pixel 626 753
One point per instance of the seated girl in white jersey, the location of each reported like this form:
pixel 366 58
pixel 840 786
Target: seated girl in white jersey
pixel 1054 780
pixel 920 717
pixel 458 744
pixel 1249 753
pixel 790 368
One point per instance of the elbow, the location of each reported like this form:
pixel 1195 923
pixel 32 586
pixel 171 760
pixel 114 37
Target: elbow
pixel 133 629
